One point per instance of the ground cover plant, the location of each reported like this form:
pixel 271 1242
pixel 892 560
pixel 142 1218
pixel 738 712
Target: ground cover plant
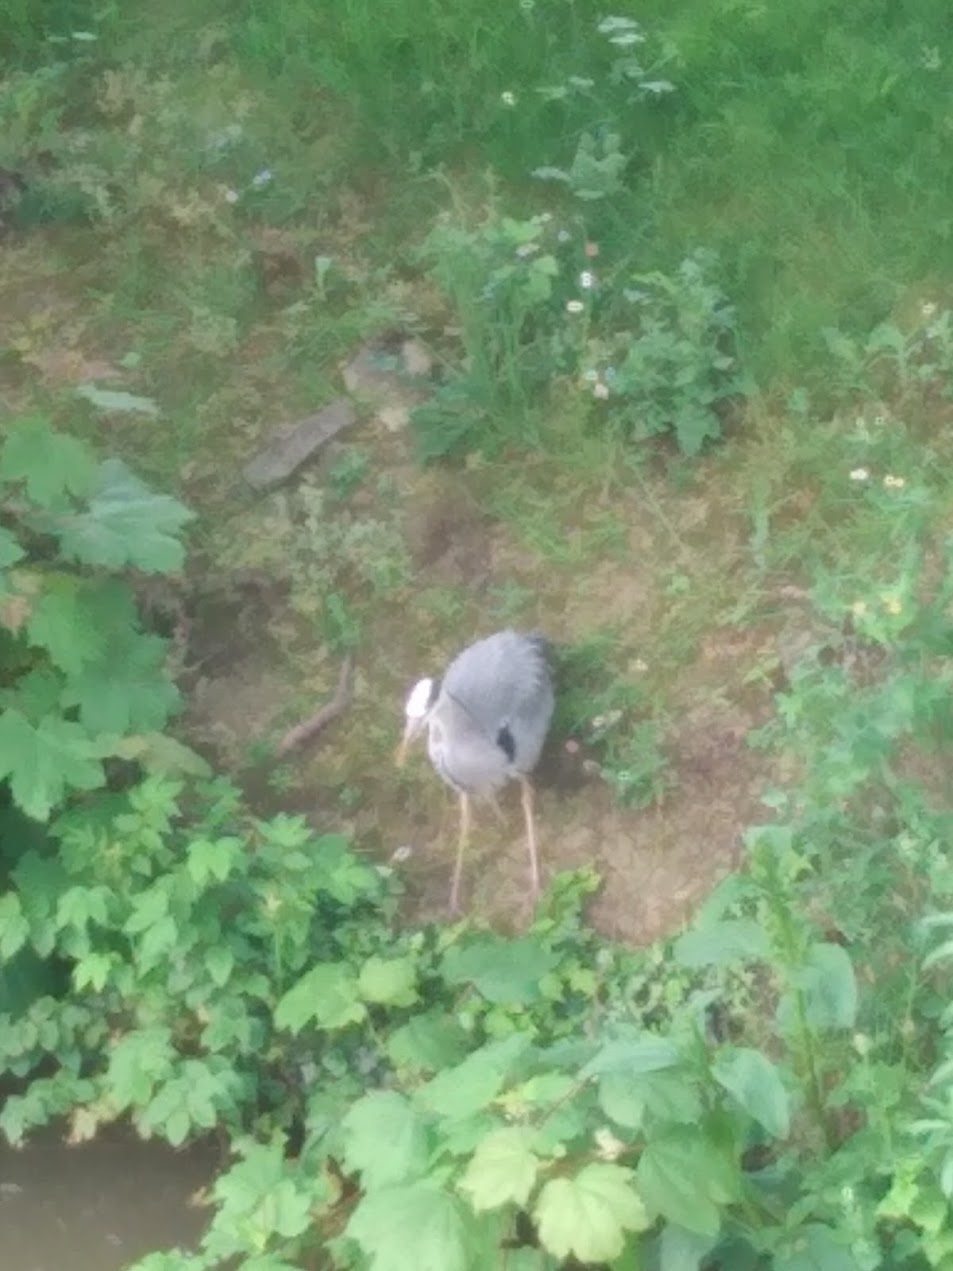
pixel 659 301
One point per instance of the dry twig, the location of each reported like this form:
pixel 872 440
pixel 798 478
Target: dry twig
pixel 310 727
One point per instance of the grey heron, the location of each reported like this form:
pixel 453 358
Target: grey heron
pixel 486 724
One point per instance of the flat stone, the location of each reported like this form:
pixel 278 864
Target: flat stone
pixel 297 443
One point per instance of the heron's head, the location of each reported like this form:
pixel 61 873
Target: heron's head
pixel 419 705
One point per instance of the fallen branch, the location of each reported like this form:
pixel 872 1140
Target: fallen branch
pixel 309 728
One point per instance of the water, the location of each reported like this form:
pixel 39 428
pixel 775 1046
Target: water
pixel 99 1206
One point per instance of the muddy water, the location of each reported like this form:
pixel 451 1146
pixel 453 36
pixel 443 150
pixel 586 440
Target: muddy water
pixel 98 1207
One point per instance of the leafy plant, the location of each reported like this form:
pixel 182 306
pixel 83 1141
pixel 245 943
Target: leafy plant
pixel 500 278
pixel 329 550
pixel 675 366
pixel 596 170
pixel 82 681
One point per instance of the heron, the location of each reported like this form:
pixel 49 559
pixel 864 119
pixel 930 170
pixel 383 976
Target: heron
pixel 486 722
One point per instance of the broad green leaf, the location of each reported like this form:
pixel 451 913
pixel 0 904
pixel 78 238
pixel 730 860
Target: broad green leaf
pixel 755 1083
pixel 830 987
pixel 148 907
pixel 219 962
pixel 667 1095
pixel 47 462
pixel 473 1084
pixel 157 941
pixel 61 621
pixel 385 1138
pixel 78 906
pixel 126 524
pixel 428 1042
pixel 161 754
pixel 587 1216
pixel 14 927
pixel 686 1178
pixel 722 943
pixel 504 971
pixel 208 859
pixel 632 1057
pixel 682 1250
pixel 389 981
pixel 37 693
pixel 261 1196
pixel 10 549
pixel 92 971
pixel 136 1063
pixel 417 1227
pixel 502 1169
pixel 45 761
pixel 817 1248
pixel 327 994
pixel 126 691
pixel 110 399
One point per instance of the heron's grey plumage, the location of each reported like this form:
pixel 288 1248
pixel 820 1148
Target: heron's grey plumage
pixel 492 712
pixel 487 722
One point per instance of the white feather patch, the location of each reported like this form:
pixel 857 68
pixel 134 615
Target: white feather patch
pixel 419 699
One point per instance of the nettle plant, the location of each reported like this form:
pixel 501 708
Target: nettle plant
pixel 82 681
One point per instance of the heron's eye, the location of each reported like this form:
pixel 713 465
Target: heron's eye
pixel 504 739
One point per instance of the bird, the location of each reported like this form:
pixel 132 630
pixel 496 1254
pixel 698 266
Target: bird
pixel 486 721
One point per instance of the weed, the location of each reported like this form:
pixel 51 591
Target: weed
pixel 328 552
pixel 677 364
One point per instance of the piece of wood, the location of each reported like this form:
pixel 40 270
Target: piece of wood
pixel 310 727
pixel 294 445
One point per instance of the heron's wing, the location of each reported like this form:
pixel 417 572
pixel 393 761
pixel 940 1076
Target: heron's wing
pixel 504 681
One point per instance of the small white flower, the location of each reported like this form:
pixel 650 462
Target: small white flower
pixel 640 666
pixel 894 483
pixel 262 178
pixel 601 391
pixel 587 280
pixel 563 236
pixel 860 474
pixel 544 218
pixel 574 306
pixel 231 196
pixel 608 1147
pixel 527 249
pixel 591 376
pixel 508 98
pixel 401 854
pixel 928 310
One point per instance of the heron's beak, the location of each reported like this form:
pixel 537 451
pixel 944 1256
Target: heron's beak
pixel 411 730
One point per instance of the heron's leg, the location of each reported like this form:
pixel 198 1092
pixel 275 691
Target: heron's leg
pixel 527 801
pixel 461 848
pixel 494 801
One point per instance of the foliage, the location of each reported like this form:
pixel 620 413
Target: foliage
pixel 502 278
pixel 893 362
pixel 746 1094
pixel 533 313
pixel 339 549
pixel 614 720
pixel 675 368
pixel 83 682
pixel 772 1091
